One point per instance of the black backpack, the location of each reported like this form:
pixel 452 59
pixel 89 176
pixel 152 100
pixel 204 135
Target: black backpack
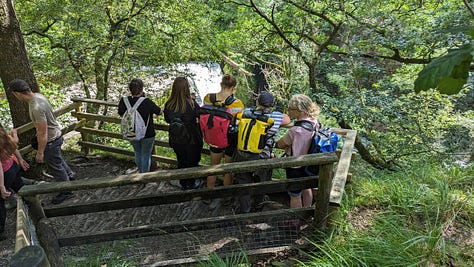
pixel 178 132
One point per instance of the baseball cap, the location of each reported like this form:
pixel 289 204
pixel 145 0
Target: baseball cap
pixel 19 85
pixel 266 99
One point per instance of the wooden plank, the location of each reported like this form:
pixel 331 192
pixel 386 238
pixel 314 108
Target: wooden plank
pixel 322 197
pixel 49 242
pixel 175 174
pixel 116 120
pixel 160 143
pixel 36 209
pixel 342 168
pixel 69 128
pixel 125 152
pixel 182 226
pixel 23 233
pixel 181 196
pixel 95 101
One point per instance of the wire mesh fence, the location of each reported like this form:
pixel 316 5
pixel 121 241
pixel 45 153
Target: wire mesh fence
pixel 184 243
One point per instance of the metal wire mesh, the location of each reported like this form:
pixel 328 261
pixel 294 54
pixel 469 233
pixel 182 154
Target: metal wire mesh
pixel 183 244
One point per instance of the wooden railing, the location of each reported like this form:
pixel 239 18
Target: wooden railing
pixel 330 191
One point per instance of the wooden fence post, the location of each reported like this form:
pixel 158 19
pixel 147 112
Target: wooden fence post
pixel 31 256
pixel 322 198
pixel 46 235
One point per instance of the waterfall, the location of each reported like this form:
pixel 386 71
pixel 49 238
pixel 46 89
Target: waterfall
pixel 203 78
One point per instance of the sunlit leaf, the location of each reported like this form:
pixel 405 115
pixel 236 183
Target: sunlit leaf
pixel 447 73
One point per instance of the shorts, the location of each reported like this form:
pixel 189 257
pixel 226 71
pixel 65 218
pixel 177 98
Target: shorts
pixel 228 151
pixel 295 173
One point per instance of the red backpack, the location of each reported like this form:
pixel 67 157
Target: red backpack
pixel 216 121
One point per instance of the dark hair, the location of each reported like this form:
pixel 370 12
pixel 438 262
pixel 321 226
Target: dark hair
pixel 19 85
pixel 135 86
pixel 180 95
pixel 228 81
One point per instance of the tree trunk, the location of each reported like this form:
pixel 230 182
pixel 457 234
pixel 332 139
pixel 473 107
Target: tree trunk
pixel 364 153
pixel 14 61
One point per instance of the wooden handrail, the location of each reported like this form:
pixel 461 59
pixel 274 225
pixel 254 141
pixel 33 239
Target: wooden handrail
pixel 95 101
pixel 342 169
pixel 168 175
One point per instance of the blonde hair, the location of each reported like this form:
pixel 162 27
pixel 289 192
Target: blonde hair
pixel 304 104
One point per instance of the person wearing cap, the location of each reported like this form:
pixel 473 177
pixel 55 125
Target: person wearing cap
pixel 265 104
pixel 48 134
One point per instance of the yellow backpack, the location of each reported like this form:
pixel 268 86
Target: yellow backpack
pixel 253 128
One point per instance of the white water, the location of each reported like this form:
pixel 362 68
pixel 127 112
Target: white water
pixel 204 78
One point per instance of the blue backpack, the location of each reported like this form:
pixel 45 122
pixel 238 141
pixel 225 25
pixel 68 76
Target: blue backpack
pixel 322 141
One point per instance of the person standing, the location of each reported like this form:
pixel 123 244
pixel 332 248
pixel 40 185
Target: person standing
pixel 142 148
pixel 10 179
pixel 181 112
pixel 297 141
pixel 48 132
pixel 265 103
pixel 228 85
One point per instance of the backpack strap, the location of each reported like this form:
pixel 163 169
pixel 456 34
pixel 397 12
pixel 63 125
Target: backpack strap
pixel 127 103
pixel 229 100
pixel 305 124
pixel 135 106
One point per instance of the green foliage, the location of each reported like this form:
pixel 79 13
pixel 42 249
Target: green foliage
pixel 214 260
pixel 104 256
pixel 447 73
pixel 409 218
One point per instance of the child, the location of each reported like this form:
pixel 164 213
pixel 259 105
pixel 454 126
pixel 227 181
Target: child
pixel 9 171
pixel 181 105
pixel 142 148
pixel 228 85
pixel 265 103
pixel 297 141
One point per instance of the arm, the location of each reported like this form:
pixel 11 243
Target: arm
pixel 42 135
pixel 286 123
pixel 121 107
pixel 23 164
pixel 4 193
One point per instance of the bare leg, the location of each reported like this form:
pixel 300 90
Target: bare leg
pixel 215 160
pixel 228 176
pixel 307 196
pixel 295 202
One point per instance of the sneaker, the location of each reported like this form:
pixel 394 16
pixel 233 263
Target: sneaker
pixel 61 197
pixel 198 183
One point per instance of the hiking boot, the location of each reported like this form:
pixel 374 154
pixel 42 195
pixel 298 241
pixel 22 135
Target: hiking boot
pixel 61 197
